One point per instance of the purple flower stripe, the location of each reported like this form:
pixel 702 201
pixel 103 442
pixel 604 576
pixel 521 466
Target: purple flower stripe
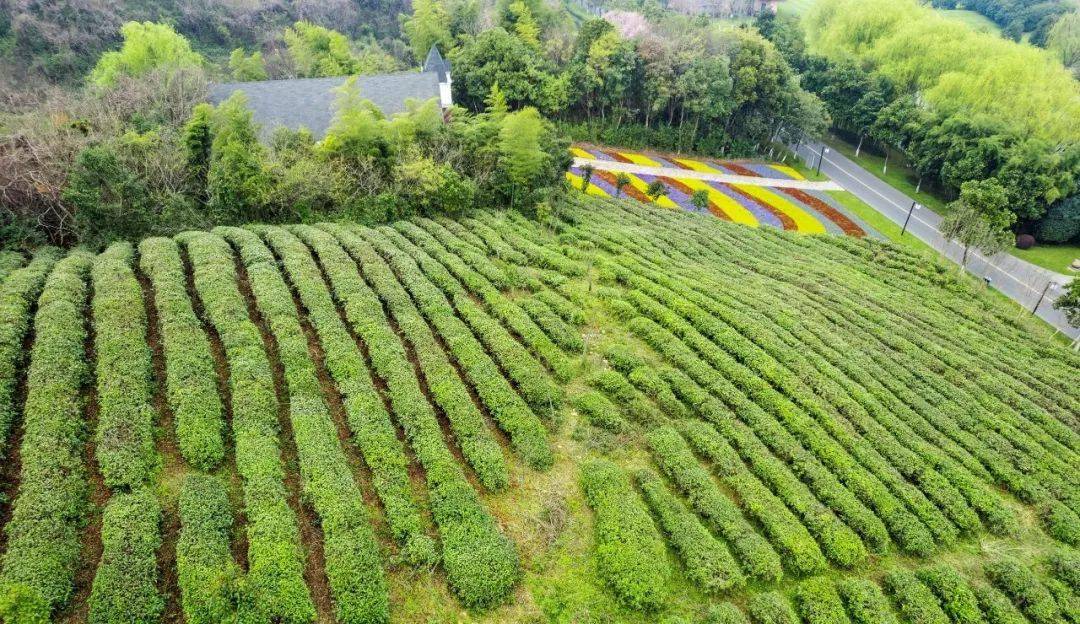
pixel 597 154
pixel 766 171
pixel 675 195
pixel 595 181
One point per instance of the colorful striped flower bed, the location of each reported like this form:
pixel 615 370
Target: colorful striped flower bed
pixel 812 212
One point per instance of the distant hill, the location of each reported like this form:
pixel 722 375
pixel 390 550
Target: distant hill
pixel 60 41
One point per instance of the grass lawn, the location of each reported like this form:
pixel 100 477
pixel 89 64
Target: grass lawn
pixel 880 222
pixel 1053 257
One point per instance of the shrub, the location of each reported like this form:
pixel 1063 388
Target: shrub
pixel 527 433
pixel 771 608
pixel 1066 566
pixel 206 572
pixel 47 516
pixel 599 411
pixel 482 565
pixel 707 560
pixel 725 613
pixel 365 412
pixel 630 554
pixel 125 437
pixel 677 461
pixel 636 404
pixel 17 296
pixel 353 566
pixel 125 586
pixel 444 269
pixel 865 602
pixel 189 367
pixel 275 578
pixel 444 383
pixel 1025 241
pixel 916 602
pixel 818 602
pixel 997 607
pixel 957 599
pixel 1062 221
pixel 1023 587
pixel 557 329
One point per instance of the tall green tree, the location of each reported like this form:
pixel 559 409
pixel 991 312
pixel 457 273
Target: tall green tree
pixel 237 184
pixel 147 47
pixel 429 25
pixel 520 152
pixel 317 51
pixel 979 219
pixel 246 68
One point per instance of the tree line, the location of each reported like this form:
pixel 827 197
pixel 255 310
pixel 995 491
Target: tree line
pixel 965 108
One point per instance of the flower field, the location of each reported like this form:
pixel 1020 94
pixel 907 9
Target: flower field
pixel 808 211
pixel 621 415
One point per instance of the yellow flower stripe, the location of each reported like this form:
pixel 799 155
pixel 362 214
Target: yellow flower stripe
pixel 734 210
pixel 640 159
pixel 580 153
pixel 795 175
pixel 663 201
pixel 804 221
pixel 575 181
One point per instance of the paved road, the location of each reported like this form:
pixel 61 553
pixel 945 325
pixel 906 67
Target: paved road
pixel 1020 280
pixel 671 172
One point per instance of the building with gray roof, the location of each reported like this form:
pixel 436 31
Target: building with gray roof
pixel 309 102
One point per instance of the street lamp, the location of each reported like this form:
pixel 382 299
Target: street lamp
pixel 1051 286
pixel 821 157
pixel 914 206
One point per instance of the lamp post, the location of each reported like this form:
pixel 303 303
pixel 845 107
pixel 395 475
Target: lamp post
pixel 821 157
pixel 1051 286
pixel 914 206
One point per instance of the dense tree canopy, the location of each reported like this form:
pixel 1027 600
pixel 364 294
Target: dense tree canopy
pixel 963 106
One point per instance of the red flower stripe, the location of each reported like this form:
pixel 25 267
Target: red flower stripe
pixel 629 189
pixel 681 186
pixel 848 226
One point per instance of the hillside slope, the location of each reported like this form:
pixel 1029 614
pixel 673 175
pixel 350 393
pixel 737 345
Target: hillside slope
pixel 626 414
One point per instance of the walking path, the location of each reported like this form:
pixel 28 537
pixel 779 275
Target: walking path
pixel 1020 280
pixel 672 172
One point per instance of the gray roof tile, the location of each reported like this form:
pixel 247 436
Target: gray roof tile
pixel 309 102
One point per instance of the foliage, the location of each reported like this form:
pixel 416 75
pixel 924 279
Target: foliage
pixel 368 418
pixel 708 562
pixel 865 602
pixel 18 293
pixel 1025 590
pixel 1062 222
pixel 125 586
pixel 1064 40
pixel 237 182
pixel 189 371
pixel 1069 303
pixel 979 219
pixel 429 25
pixel 629 550
pixel 917 604
pixel 147 47
pixel 47 516
pixel 482 565
pixel 246 68
pixel 206 572
pixel 274 583
pixel 124 438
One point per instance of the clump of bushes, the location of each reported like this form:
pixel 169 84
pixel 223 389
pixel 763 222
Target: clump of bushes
pixel 630 553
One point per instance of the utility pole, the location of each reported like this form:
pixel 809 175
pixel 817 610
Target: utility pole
pixel 1051 285
pixel 914 207
pixel 821 157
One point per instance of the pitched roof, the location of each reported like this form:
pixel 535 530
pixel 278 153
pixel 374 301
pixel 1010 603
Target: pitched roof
pixel 435 62
pixel 309 102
